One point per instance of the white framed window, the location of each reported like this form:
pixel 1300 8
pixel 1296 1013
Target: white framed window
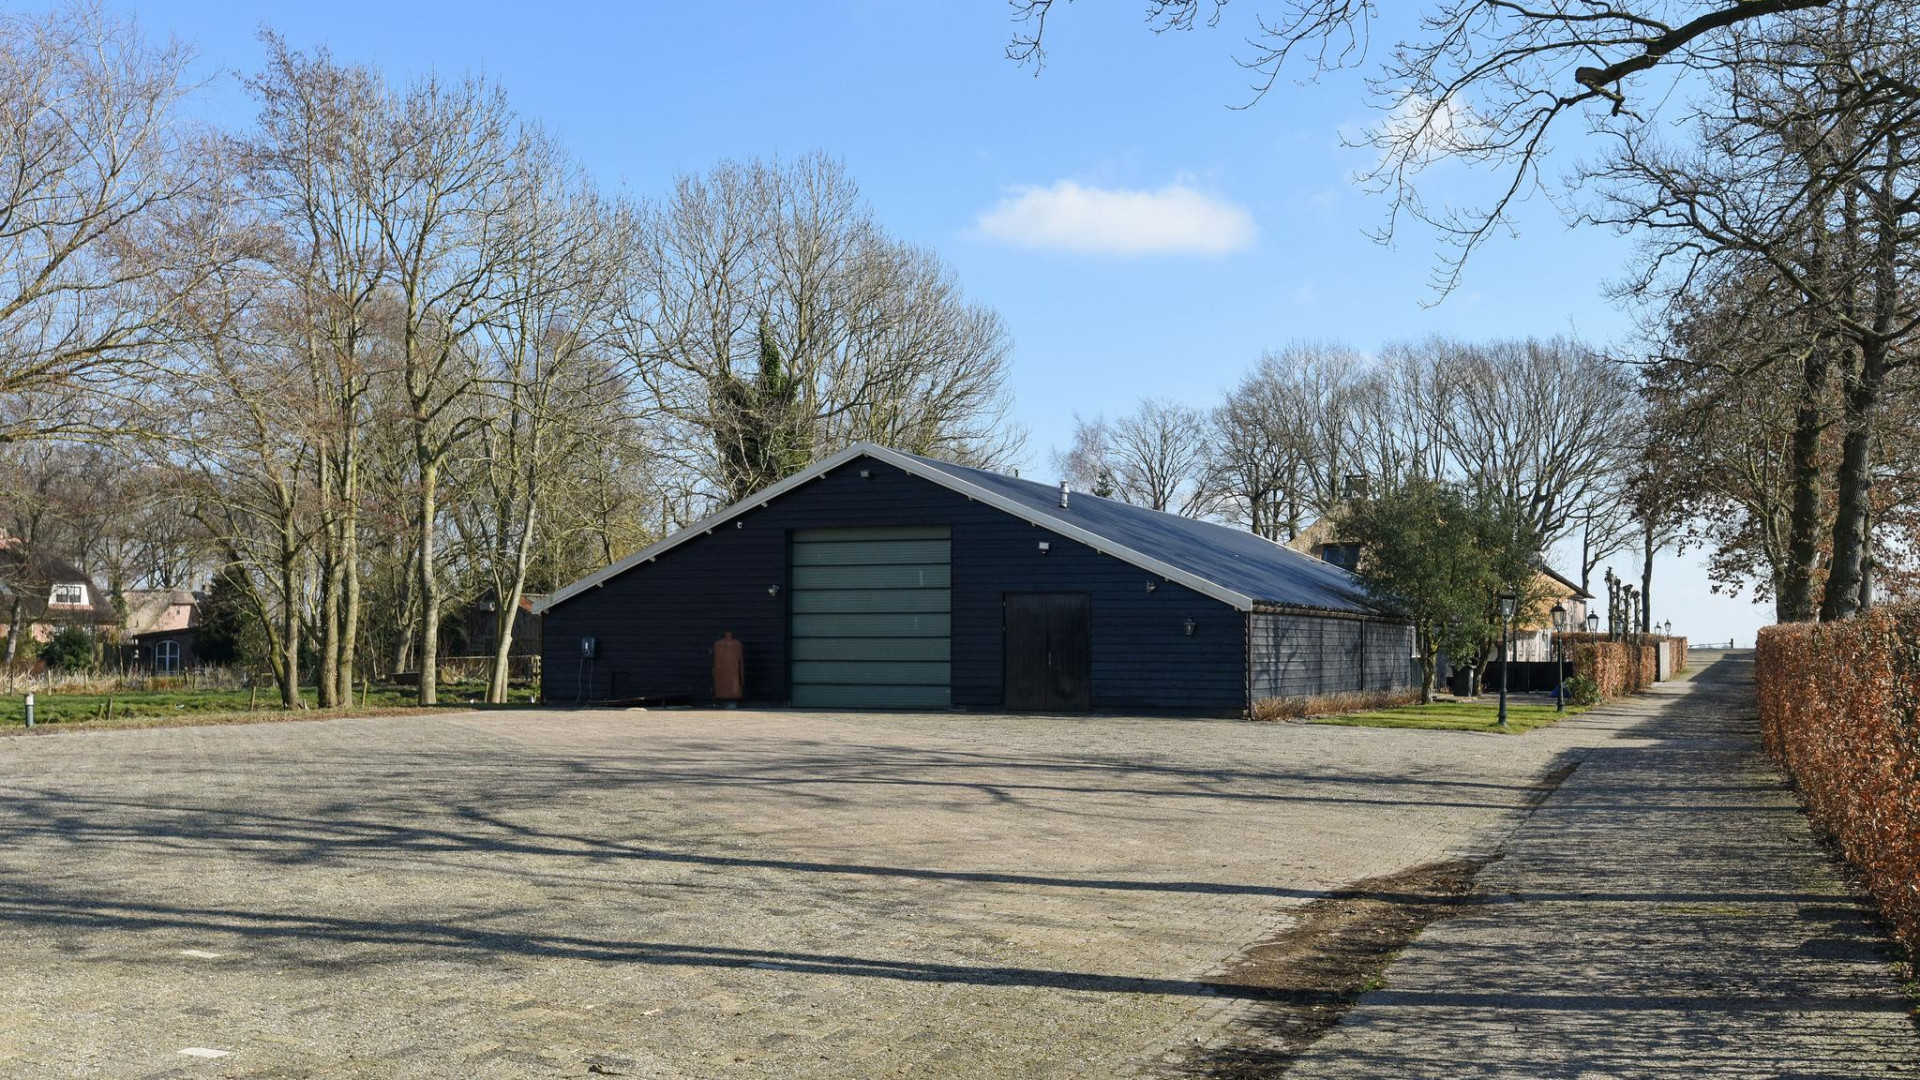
pixel 166 656
pixel 68 594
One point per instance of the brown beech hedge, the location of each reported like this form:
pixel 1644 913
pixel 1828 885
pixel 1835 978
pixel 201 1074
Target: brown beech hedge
pixel 1621 667
pixel 1838 706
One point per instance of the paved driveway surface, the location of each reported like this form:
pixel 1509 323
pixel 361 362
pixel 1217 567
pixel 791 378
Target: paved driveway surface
pixel 1665 913
pixel 684 893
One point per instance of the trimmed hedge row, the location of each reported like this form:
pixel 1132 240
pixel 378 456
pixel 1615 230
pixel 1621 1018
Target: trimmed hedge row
pixel 1605 662
pixel 1621 667
pixel 1840 712
pixel 1676 654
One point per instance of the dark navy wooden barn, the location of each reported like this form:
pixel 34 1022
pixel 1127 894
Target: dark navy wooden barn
pixel 878 579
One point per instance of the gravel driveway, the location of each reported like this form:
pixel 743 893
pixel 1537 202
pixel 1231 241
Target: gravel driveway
pixel 687 893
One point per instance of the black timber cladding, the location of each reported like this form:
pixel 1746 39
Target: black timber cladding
pixel 1308 656
pixel 655 624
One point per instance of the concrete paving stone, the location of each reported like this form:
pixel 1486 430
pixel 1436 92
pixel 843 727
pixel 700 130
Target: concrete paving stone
pixel 740 893
pixel 1664 913
pixel 511 895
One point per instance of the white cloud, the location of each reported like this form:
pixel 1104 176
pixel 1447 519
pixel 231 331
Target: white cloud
pixel 1175 220
pixel 1423 131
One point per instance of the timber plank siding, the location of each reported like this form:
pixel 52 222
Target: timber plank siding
pixel 1308 655
pixel 655 625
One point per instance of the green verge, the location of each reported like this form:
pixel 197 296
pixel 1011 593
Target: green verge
pixel 144 708
pixel 1480 715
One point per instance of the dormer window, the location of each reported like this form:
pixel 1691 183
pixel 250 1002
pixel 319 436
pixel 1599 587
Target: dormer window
pixel 68 595
pixel 1344 556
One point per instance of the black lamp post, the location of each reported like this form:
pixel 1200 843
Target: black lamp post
pixel 1667 627
pixel 1593 622
pixel 1506 632
pixel 1559 657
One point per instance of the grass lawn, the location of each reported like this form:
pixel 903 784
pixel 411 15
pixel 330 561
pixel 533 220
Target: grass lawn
pixel 1480 715
pixel 142 708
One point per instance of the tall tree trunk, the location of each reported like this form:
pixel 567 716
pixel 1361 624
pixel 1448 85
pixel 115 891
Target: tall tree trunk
pixel 1646 577
pixel 16 623
pixel 327 685
pixel 509 608
pixel 327 679
pixel 1867 562
pixel 350 567
pixel 1795 600
pixel 289 568
pixel 1429 668
pixel 427 587
pixel 408 615
pixel 1854 486
pixel 1586 555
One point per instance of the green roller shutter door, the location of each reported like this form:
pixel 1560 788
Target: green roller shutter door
pixel 872 618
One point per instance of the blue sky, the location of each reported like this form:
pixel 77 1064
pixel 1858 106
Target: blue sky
pixel 940 130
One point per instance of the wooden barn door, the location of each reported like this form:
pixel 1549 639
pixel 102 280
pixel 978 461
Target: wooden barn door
pixel 1049 642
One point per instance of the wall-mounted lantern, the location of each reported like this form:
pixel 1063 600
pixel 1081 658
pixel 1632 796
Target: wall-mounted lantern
pixel 773 590
pixel 1190 626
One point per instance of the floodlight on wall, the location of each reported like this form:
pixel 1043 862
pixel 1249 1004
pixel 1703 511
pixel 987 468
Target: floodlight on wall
pixel 1045 547
pixel 1152 585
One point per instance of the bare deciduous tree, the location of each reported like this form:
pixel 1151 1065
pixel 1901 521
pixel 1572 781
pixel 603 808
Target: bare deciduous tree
pixel 1158 456
pixel 1804 175
pixel 1285 439
pixel 777 313
pixel 1488 82
pixel 549 386
pixel 1546 422
pixel 437 178
pixel 299 163
pixel 96 169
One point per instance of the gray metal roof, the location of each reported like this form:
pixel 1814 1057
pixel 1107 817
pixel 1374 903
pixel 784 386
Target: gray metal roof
pixel 1237 560
pixel 1231 565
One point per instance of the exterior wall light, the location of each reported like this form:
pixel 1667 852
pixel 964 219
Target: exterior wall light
pixel 1045 547
pixel 773 590
pixel 1151 586
pixel 1190 626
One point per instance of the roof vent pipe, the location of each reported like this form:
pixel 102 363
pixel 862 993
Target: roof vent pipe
pixel 1065 490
